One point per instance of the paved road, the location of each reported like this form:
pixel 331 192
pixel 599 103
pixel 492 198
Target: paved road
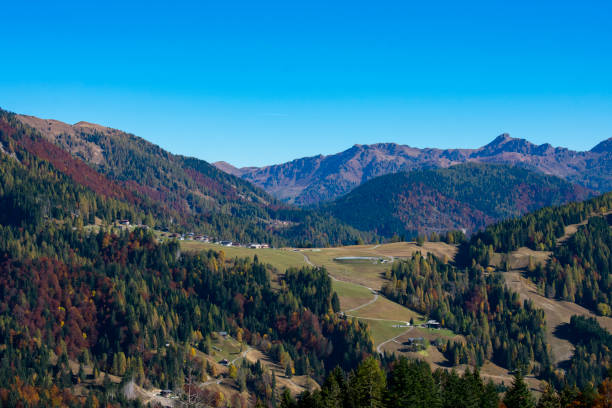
pixel 211 382
pixel 375 318
pixel 307 260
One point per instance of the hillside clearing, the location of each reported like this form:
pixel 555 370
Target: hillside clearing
pixel 557 312
pixel 281 259
pixel 351 295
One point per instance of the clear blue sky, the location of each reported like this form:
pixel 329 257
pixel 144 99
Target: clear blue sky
pixel 257 84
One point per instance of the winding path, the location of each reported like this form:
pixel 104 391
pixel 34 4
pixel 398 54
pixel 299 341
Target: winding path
pixel 242 355
pixel 375 293
pixel 378 348
pixel 376 296
pixel 365 304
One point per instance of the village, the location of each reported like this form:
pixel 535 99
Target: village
pixel 165 233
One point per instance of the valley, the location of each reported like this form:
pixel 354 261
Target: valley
pixel 358 273
pixel 357 281
pixel 306 205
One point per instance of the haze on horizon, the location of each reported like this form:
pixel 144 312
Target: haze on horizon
pixel 262 84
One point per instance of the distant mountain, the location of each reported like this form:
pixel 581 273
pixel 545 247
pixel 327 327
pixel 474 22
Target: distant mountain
pixel 467 196
pixel 181 193
pixel 312 180
pixel 603 147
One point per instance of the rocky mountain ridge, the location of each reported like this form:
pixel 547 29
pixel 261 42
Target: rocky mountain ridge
pixel 312 180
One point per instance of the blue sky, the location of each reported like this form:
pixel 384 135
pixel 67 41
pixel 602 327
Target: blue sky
pixel 257 84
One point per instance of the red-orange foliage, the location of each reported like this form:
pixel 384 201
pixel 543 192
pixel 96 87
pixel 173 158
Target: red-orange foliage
pixel 69 308
pixel 65 163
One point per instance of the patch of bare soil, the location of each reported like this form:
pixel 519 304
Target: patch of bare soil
pixel 407 249
pixel 519 259
pixel 296 384
pixel 436 360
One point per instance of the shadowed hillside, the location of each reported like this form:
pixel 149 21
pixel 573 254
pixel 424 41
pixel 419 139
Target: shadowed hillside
pixel 467 196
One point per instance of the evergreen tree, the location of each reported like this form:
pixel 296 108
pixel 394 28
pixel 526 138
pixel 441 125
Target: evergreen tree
pixel 412 385
pixel 519 396
pixel 335 303
pixel 367 385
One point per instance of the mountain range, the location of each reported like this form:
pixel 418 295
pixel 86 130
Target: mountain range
pixel 367 192
pixel 312 180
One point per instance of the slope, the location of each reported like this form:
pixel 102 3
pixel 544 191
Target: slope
pixel 127 305
pixel 188 194
pixel 467 196
pixel 570 279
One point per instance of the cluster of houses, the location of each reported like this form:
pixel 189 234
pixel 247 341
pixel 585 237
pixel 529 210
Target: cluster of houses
pixel 209 240
pixel 236 244
pixel 189 237
pixel 194 237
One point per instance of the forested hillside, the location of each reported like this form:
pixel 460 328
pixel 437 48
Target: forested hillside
pixel 579 269
pixel 592 358
pixel 122 304
pixel 177 192
pixel 497 326
pixel 468 196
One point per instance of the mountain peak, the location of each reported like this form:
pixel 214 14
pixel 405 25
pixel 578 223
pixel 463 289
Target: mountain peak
pixel 506 144
pixel 228 168
pixel 603 147
pixel 501 140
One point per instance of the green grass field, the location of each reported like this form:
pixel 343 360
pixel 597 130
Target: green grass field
pixel 225 348
pixel 350 289
pixel 351 295
pixel 384 308
pixel 383 330
pixel 281 259
pixel 365 273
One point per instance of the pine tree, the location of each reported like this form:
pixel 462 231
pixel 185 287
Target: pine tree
pixel 287 400
pixel 412 385
pixel 490 397
pixel 519 396
pixel 367 385
pixel 335 303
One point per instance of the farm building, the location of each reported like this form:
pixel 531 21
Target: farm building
pixel 432 324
